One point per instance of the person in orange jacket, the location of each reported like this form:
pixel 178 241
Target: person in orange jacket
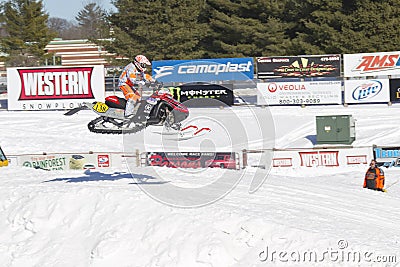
pixel 374 177
pixel 134 73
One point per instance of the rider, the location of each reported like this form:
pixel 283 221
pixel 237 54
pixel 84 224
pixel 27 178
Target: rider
pixel 133 73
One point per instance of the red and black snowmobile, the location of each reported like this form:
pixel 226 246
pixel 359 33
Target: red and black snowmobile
pixel 158 109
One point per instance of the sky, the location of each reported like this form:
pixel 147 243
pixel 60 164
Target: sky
pixel 69 9
pixel 110 217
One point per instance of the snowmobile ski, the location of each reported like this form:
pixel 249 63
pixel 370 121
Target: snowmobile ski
pixel 75 110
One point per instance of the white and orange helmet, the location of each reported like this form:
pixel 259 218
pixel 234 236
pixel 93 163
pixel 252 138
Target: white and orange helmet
pixel 141 62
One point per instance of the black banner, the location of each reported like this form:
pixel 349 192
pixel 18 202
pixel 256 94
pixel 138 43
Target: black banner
pixel 394 90
pixel 192 159
pixel 298 66
pixel 203 93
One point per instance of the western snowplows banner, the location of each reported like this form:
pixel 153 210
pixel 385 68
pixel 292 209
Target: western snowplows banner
pixel 53 88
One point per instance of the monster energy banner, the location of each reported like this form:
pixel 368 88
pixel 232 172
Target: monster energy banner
pixel 202 93
pixel 298 66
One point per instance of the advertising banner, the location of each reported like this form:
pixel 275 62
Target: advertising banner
pixel 187 92
pixel 366 91
pixel 394 90
pixel 193 159
pixel 296 158
pixel 53 88
pixel 298 66
pixel 203 70
pixel 387 156
pixel 371 64
pixel 66 161
pixel 387 152
pixel 299 93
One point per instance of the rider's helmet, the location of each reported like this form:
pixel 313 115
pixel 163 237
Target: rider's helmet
pixel 141 62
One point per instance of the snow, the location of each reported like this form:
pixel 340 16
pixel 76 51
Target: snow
pixel 134 216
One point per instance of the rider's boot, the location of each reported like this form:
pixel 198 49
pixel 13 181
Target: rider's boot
pixel 131 108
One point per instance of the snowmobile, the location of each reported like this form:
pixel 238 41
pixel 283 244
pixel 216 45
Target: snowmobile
pixel 158 109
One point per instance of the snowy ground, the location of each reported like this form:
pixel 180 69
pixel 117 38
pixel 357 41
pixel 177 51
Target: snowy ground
pixel 108 218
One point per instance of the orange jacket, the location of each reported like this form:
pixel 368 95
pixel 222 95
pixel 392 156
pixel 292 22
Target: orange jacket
pixel 374 178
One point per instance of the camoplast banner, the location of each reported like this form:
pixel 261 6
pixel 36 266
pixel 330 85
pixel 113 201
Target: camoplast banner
pixel 203 70
pixel 394 90
pixel 193 159
pixel 366 91
pixel 204 92
pixel 52 88
pixel 371 64
pixel 298 66
pixel 299 93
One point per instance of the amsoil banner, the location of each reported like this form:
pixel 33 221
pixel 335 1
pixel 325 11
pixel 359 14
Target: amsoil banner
pixel 52 88
pixel 203 70
pixel 366 91
pixel 299 93
pixel 298 67
pixel 192 159
pixel 371 64
pixel 203 91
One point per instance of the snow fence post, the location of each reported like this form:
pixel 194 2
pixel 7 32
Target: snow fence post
pixel 244 151
pixel 137 153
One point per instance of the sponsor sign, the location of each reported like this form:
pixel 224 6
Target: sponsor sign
pixel 387 152
pixel 45 162
pixel 282 162
pixel 299 93
pixel 298 66
pixel 203 70
pixel 192 159
pixel 319 158
pixel 52 88
pixel 394 90
pixel 103 161
pixel 366 91
pixel 360 159
pixel 65 161
pixel 203 91
pixel 371 64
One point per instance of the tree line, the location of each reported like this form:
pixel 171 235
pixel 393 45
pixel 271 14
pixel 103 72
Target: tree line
pixel 191 29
